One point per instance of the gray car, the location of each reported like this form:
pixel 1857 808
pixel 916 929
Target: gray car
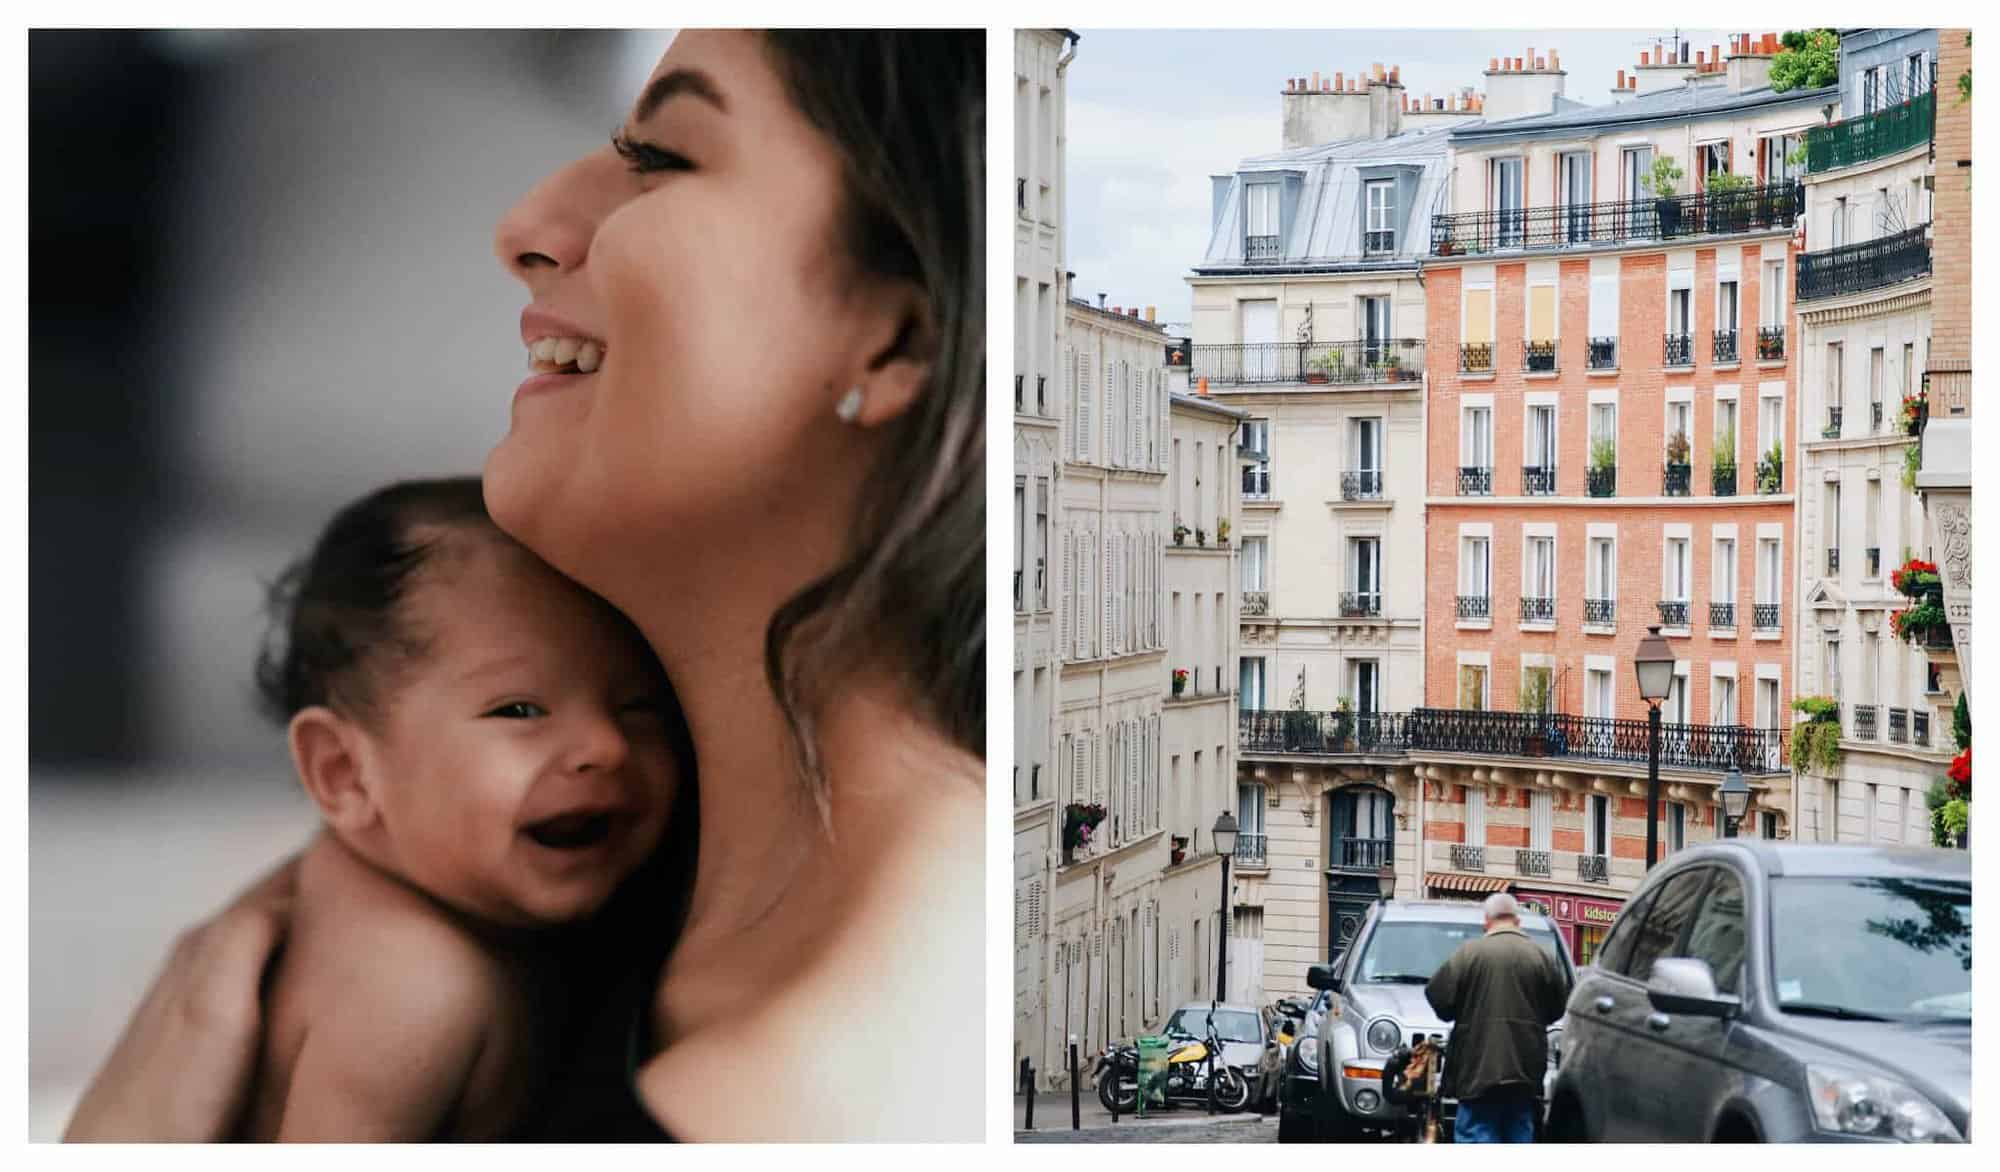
pixel 1762 991
pixel 1373 1002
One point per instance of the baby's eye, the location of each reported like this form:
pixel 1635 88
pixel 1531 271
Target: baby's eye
pixel 519 710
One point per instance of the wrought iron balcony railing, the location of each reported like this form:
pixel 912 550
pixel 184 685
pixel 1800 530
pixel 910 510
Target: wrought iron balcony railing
pixel 1679 350
pixel 1378 242
pixel 1475 358
pixel 1357 604
pixel 1257 248
pixel 1467 856
pixel 1362 485
pixel 1250 849
pixel 1899 726
pixel 1722 616
pixel 1474 732
pixel 1602 481
pixel 1725 346
pixel 1832 428
pixel 1673 612
pixel 1474 606
pixel 1364 854
pixel 1593 868
pixel 1537 609
pixel 1256 603
pixel 1856 140
pixel 1770 343
pixel 1694 214
pixel 1531 862
pixel 1871 264
pixel 1722 480
pixel 1764 616
pixel 1538 479
pixel 1675 481
pixel 1864 722
pixel 1600 612
pixel 1475 481
pixel 1538 357
pixel 1604 354
pixel 1342 363
pixel 1920 728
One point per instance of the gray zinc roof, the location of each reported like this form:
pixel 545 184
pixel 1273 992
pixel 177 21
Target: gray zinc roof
pixel 1679 103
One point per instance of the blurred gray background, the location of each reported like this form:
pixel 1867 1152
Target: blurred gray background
pixel 261 283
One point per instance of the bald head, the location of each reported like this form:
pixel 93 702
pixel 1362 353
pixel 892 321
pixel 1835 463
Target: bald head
pixel 1502 911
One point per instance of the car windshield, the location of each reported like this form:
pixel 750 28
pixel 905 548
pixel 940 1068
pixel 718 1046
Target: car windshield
pixel 1878 947
pixel 1231 1025
pixel 1409 951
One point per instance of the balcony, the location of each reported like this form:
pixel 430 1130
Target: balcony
pixel 1873 556
pixel 1260 248
pixel 1250 850
pixel 1675 481
pixel 1602 481
pixel 1764 616
pixel 1475 358
pixel 1899 726
pixel 1362 485
pixel 1833 561
pixel 1475 481
pixel 1722 480
pixel 1695 214
pixel 1857 268
pixel 1832 428
pixel 1538 479
pixel 1864 721
pixel 1467 857
pixel 1474 606
pixel 1857 140
pixel 1770 343
pixel 1600 612
pixel 1722 616
pixel 1344 363
pixel 1593 868
pixel 1360 604
pixel 1673 612
pixel 1604 354
pixel 1537 609
pixel 1477 733
pixel 1679 350
pixel 1531 862
pixel 1378 243
pixel 1363 854
pixel 1725 346
pixel 1538 357
pixel 1256 603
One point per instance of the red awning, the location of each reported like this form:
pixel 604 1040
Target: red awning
pixel 1481 884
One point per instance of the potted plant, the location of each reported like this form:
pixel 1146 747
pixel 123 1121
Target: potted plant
pixel 1180 680
pixel 1723 459
pixel 1343 724
pixel 1222 532
pixel 1178 853
pixel 1603 466
pixel 1913 462
pixel 1816 739
pixel 1916 411
pixel 1180 532
pixel 1321 369
pixel 1916 622
pixel 1728 207
pixel 1916 579
pixel 1677 460
pixel 1535 700
pixel 1771 469
pixel 1080 821
pixel 1392 367
pixel 1661 181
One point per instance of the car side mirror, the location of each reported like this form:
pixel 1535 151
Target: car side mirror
pixel 1321 976
pixel 1686 985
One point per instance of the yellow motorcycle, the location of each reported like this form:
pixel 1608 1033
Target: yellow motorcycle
pixel 1192 1063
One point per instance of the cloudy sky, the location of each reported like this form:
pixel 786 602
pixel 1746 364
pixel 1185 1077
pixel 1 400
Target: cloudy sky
pixel 1152 114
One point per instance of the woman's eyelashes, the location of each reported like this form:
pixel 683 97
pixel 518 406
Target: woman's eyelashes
pixel 644 157
pixel 518 710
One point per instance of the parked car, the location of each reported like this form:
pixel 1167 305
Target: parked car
pixel 1241 1029
pixel 1755 990
pixel 1371 1002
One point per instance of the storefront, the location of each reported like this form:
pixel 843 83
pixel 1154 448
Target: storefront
pixel 1582 922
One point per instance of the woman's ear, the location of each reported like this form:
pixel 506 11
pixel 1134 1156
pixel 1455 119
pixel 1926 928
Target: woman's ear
pixel 900 358
pixel 327 752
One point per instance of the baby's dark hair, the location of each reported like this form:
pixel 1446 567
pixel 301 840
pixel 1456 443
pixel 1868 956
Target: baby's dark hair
pixel 334 614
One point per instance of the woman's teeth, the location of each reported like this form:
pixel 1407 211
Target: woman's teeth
pixel 548 355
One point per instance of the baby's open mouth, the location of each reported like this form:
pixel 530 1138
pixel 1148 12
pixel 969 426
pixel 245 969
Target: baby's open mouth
pixel 572 831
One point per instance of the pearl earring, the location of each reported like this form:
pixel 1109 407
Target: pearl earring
pixel 849 408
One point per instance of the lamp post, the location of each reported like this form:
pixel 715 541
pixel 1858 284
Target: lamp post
pixel 1654 663
pixel 1735 801
pixel 1225 845
pixel 1385 882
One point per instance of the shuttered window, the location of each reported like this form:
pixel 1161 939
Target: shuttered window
pixel 1604 305
pixel 1541 313
pixel 1478 316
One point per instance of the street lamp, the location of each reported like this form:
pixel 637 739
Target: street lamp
pixel 1225 845
pixel 1385 882
pixel 1654 661
pixel 1735 801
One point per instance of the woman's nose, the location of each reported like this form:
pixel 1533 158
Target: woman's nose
pixel 550 230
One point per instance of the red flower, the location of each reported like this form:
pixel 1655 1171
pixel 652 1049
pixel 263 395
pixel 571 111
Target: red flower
pixel 1961 767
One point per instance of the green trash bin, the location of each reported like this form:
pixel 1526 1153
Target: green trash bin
pixel 1152 1074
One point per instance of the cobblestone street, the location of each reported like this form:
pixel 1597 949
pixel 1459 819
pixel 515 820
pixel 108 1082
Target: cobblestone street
pixel 1190 1129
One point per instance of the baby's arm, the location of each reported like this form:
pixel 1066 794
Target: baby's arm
pixel 393 1062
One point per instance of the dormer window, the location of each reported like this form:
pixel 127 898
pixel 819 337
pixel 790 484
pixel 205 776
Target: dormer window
pixel 1380 231
pixel 1260 221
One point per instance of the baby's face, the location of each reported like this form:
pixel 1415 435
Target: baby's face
pixel 522 764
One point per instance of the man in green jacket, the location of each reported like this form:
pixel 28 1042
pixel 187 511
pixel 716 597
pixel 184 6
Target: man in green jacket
pixel 1503 991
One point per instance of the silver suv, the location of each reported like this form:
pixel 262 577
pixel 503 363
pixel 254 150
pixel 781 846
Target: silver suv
pixel 1373 1003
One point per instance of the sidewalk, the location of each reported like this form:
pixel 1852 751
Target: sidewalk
pixel 1052 1115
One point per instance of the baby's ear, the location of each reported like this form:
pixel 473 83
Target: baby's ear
pixel 327 751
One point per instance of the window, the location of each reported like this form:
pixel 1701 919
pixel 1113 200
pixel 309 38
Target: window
pixel 1250 682
pixel 1364 555
pixel 1475 815
pixel 1472 691
pixel 1505 184
pixel 1364 684
pixel 1258 328
pixel 1837 231
pixel 1257 475
pixel 1666 920
pixel 1833 668
pixel 1475 437
pixel 1675 708
pixel 1725 307
pixel 1260 221
pixel 1871 90
pixel 1368 448
pixel 1474 567
pixel 1598 697
pixel 1722 700
pixel 1714 158
pixel 1767 824
pixel 1616 950
pixel 1375 334
pixel 1601 569
pixel 1676 569
pixel 1540 820
pixel 1540 569
pixel 1676 827
pixel 1836 384
pixel 1256 555
pixel 1916 78
pixel 1597 825
pixel 1778 165
pixel 1875 412
pixel 1680 311
pixel 1767 703
pixel 1541 439
pixel 1604 425
pixel 1909 369
pixel 1771 294
pixel 1830 519
pixel 1770 423
pixel 1634 164
pixel 1381 229
pixel 1717 936
pixel 1536 684
pixel 1871 537
pixel 1250 814
pixel 1574 183
pixel 1041 543
pixel 1020 539
pixel 1724 582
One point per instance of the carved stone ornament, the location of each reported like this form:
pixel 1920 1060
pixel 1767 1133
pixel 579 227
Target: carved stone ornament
pixel 1955 523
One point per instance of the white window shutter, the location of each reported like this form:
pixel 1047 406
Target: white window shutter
pixel 1104 580
pixel 1068 603
pixel 1082 410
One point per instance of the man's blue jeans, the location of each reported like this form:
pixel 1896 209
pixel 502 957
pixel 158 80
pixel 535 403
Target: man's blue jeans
pixel 1500 1119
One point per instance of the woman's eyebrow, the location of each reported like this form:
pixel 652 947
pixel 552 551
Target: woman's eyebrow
pixel 674 82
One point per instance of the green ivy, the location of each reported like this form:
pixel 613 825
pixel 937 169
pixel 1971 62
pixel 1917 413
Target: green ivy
pixel 1913 459
pixel 1816 740
pixel 1810 59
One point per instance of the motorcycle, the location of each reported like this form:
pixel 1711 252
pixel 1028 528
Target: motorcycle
pixel 1192 1064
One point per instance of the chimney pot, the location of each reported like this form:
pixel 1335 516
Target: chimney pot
pixel 1149 313
pixel 1339 80
pixel 1100 300
pixel 1645 58
pixel 1555 62
pixel 1493 65
pixel 1315 79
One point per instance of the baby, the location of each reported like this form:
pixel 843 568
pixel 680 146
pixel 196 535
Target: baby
pixel 491 749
